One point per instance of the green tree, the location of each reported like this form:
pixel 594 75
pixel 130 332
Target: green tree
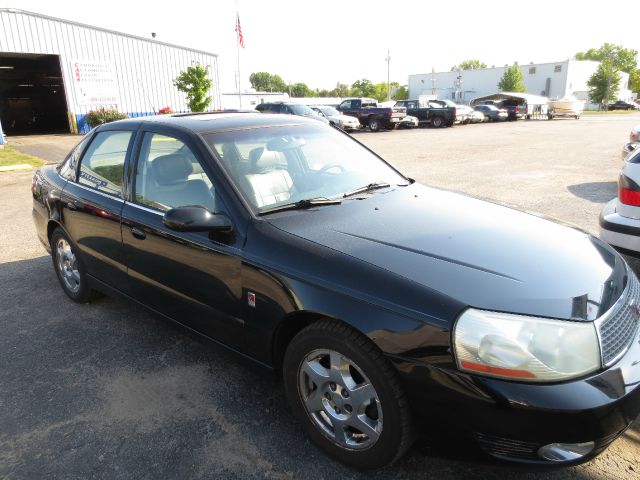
pixel 301 90
pixel 512 80
pixel 322 92
pixel 267 82
pixel 341 90
pixel 471 64
pixel 634 82
pixel 624 59
pixel 363 88
pixel 402 93
pixel 195 82
pixel 380 91
pixel 604 84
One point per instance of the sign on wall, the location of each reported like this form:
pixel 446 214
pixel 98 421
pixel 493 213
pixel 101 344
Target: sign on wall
pixel 95 82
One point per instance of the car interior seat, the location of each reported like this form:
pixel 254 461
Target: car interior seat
pixel 269 180
pixel 170 184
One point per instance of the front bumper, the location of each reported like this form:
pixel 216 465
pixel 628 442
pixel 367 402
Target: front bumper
pixel 619 231
pixel 350 126
pixel 513 420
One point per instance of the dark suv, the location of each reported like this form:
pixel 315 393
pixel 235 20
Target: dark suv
pixel 290 109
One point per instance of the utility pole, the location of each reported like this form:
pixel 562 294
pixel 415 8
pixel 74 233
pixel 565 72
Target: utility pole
pixel 433 81
pixel 388 59
pixel 459 86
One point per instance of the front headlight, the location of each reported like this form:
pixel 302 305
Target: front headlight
pixel 519 347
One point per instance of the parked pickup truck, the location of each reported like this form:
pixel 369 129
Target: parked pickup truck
pixel 434 114
pixel 366 110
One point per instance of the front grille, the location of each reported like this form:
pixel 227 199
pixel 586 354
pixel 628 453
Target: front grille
pixel 617 331
pixel 507 447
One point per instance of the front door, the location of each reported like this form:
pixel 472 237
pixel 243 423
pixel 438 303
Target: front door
pixel 192 277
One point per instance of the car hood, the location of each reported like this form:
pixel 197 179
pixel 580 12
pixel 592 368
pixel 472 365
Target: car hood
pixel 475 252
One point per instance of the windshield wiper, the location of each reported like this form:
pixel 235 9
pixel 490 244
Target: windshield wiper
pixel 301 205
pixel 367 188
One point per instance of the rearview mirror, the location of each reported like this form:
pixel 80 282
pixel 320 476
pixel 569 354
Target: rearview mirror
pixel 196 219
pixel 282 144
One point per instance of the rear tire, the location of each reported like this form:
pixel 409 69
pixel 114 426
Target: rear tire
pixel 437 122
pixel 346 395
pixel 374 125
pixel 69 268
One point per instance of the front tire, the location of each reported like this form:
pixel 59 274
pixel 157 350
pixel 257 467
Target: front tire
pixel 346 395
pixel 69 268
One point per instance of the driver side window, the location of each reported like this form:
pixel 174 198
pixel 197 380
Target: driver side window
pixel 168 175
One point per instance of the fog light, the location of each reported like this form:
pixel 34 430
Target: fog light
pixel 565 452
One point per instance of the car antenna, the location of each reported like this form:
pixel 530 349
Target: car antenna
pixel 144 90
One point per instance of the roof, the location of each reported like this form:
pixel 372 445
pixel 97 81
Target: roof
pixel 219 121
pixel 527 97
pixel 114 32
pixel 498 67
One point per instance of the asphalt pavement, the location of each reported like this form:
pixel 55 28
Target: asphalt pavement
pixel 108 390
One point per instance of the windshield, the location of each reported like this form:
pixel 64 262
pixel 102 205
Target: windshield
pixel 274 166
pixel 329 111
pixel 302 110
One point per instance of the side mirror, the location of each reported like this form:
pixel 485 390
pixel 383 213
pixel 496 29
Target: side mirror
pixel 196 219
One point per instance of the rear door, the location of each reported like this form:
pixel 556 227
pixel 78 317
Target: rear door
pixel 192 277
pixel 92 205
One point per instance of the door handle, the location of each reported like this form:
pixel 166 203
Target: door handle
pixel 138 233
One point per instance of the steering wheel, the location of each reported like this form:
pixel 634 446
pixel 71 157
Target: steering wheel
pixel 329 166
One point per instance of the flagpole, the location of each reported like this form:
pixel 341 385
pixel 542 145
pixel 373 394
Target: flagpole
pixel 238 51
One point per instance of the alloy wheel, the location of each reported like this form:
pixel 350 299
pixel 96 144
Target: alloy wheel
pixel 67 266
pixel 340 399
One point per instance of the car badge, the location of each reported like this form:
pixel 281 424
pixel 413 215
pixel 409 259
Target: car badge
pixel 251 299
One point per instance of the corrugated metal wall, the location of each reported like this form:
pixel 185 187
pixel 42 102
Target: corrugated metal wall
pixel 144 68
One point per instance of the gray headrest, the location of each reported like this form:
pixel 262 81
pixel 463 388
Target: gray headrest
pixel 261 159
pixel 171 169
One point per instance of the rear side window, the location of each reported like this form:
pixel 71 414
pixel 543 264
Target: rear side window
pixel 102 166
pixel 69 167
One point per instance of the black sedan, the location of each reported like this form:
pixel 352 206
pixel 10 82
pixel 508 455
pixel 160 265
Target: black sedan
pixel 389 309
pixel 493 113
pixel 622 105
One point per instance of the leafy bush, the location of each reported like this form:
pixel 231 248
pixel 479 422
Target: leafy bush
pixel 104 115
pixel 195 82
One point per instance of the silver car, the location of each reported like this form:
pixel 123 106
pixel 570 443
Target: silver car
pixel 633 143
pixel 620 218
pixel 345 122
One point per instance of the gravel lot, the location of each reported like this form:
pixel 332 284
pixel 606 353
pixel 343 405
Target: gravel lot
pixel 108 390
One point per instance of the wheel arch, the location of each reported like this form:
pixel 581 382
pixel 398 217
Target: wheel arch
pixel 288 328
pixel 52 224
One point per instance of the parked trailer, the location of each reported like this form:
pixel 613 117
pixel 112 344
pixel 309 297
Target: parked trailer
pixel 565 107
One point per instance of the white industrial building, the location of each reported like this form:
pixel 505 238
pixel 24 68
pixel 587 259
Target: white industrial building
pixel 54 71
pixel 552 80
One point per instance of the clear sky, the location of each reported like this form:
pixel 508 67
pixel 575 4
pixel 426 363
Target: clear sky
pixel 323 42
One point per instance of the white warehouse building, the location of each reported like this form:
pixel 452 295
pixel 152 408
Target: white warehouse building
pixel 54 71
pixel 552 80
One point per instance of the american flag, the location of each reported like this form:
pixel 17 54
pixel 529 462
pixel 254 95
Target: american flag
pixel 239 31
